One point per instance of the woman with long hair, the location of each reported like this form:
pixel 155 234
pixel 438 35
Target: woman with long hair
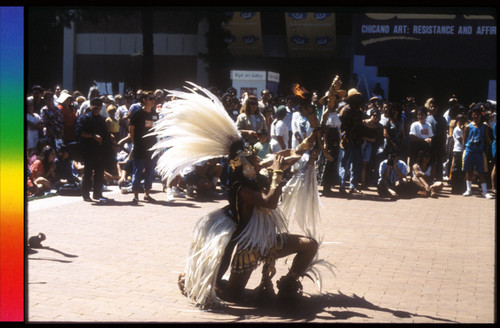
pixel 43 170
pixel 250 120
pixel 424 175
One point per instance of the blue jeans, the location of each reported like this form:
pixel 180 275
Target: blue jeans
pixel 143 168
pixel 351 162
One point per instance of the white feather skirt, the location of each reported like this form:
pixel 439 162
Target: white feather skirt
pixel 210 238
pixel 262 231
pixel 300 200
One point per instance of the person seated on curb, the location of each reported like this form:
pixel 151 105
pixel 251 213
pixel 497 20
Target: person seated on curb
pixel 64 166
pixel 33 189
pixel 173 189
pixel 393 181
pixel 44 170
pixel 424 176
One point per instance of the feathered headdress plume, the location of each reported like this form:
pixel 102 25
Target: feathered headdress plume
pixel 299 90
pixel 195 126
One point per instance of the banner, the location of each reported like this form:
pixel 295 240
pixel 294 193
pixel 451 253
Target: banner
pixel 311 34
pixel 427 40
pixel 246 34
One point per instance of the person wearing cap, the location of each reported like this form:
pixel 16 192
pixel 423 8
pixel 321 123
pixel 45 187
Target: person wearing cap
pixel 351 118
pixel 95 145
pixel 65 101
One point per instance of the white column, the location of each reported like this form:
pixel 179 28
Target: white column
pixel 201 67
pixel 68 57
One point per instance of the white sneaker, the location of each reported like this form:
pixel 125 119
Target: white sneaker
pixel 178 193
pixel 170 195
pixel 126 190
pixel 486 195
pixel 467 193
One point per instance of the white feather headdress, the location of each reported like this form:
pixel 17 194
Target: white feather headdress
pixel 195 126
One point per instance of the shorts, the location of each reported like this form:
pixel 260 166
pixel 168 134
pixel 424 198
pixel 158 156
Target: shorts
pixel 474 160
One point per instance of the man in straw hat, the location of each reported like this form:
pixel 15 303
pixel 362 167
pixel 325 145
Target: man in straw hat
pixel 351 117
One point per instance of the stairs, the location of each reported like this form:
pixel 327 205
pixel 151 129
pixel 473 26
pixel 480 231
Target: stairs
pixel 367 77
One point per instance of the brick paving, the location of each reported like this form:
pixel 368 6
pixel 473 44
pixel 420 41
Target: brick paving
pixel 405 261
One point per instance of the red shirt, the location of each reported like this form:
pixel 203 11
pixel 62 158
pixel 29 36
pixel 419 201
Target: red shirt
pixel 69 123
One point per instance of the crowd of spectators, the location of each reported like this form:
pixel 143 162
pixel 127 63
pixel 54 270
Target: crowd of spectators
pixel 402 149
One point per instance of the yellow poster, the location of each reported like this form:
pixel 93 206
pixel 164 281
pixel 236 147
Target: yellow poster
pixel 246 34
pixel 311 34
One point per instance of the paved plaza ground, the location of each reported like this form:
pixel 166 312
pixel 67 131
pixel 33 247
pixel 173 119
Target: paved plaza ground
pixel 405 261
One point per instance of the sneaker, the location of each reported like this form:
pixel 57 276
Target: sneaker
pixel 190 191
pixel 170 195
pixel 87 198
pixel 467 193
pixel 486 195
pixel 126 190
pixel 178 193
pixel 135 200
pixel 150 199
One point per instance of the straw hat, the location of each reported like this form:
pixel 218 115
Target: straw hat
pixel 324 100
pixel 63 97
pixel 353 92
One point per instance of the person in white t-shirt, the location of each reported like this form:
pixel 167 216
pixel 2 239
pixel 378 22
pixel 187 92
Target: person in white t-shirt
pixel 420 135
pixel 301 128
pixel 457 175
pixel 279 131
pixel 33 127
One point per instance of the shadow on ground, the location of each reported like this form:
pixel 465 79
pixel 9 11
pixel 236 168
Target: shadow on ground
pixel 328 306
pixel 32 251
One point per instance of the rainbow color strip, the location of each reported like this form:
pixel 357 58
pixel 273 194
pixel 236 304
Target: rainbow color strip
pixel 11 164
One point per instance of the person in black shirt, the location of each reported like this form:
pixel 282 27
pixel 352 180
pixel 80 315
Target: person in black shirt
pixel 351 118
pixel 95 144
pixel 141 121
